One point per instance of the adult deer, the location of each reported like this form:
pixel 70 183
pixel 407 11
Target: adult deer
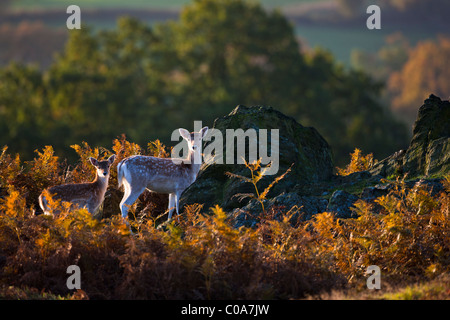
pixel 162 175
pixel 86 195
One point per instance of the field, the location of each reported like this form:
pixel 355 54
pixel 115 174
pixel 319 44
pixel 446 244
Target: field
pixel 340 40
pixel 141 4
pixel 343 40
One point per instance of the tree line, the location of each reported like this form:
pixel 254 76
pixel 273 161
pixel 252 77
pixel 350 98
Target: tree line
pixel 145 81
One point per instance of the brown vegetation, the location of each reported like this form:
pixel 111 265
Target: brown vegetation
pixel 203 256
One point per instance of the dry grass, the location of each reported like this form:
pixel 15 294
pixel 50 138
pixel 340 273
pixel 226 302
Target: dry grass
pixel 204 257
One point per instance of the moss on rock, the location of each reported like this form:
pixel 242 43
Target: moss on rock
pixel 428 153
pixel 302 147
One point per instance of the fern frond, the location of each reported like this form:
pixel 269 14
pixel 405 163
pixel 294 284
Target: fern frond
pixel 233 175
pixel 263 195
pixel 242 196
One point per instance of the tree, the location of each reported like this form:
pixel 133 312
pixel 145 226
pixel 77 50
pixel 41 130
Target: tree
pixel 232 52
pixel 344 106
pixel 22 108
pixel 103 84
pixel 147 81
pixel 422 74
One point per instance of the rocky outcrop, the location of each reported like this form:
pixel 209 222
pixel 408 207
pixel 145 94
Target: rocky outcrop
pixel 428 153
pixel 298 208
pixel 300 146
pixel 311 187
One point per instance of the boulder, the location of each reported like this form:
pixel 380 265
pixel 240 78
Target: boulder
pixel 341 203
pixel 369 194
pixel 311 186
pixel 428 153
pixel 300 208
pixel 302 147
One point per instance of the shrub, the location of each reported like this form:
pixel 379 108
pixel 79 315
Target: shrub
pixel 406 235
pixel 203 256
pixel 358 162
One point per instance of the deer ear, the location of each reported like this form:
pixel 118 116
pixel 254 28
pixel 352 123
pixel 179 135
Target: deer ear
pixel 204 131
pixel 185 134
pixel 93 161
pixel 111 159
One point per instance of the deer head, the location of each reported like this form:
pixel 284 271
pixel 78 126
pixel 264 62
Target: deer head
pixel 103 167
pixel 194 141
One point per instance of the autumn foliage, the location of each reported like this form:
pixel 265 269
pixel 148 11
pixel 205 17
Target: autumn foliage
pixel 424 72
pixel 202 256
pixel 358 162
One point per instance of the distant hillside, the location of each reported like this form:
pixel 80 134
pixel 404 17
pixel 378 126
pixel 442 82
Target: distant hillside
pixel 141 4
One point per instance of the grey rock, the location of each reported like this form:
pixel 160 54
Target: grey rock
pixel 341 203
pixel 300 146
pixel 428 153
pixel 301 208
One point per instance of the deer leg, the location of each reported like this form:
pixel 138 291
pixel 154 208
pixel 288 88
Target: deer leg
pixel 129 198
pixel 177 200
pixel 126 194
pixel 171 204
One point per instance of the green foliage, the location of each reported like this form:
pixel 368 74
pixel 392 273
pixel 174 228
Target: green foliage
pixel 22 108
pixel 143 81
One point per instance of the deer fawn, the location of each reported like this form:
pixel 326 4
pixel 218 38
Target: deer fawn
pixel 86 195
pixel 162 175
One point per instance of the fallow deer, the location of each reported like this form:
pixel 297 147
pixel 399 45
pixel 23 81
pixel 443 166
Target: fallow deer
pixel 85 195
pixel 161 175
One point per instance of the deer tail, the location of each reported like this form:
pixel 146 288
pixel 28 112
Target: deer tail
pixel 43 204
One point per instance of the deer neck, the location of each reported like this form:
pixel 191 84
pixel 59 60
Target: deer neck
pixel 192 165
pixel 101 182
